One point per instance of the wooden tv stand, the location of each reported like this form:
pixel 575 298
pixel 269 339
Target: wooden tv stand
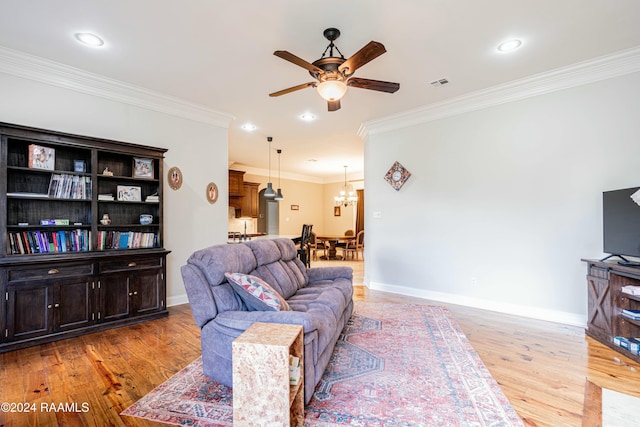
pixel 606 302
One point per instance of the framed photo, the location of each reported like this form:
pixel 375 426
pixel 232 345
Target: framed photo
pixel 174 176
pixel 142 168
pixel 295 207
pixel 79 166
pixel 127 193
pixel 212 192
pixel 42 157
pixel 336 211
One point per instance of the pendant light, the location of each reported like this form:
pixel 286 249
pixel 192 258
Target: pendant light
pixel 279 195
pixel 269 193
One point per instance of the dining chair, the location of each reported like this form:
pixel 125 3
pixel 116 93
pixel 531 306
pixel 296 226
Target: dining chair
pixel 343 245
pixel 304 251
pixel 316 245
pixel 354 246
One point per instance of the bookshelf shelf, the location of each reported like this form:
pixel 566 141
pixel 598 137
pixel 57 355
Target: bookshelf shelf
pixel 63 263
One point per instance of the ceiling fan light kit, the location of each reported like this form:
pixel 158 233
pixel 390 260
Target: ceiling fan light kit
pixel 333 74
pixel 332 90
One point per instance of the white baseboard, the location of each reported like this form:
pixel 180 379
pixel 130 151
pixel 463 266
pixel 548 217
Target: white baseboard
pixel 177 300
pixel 501 307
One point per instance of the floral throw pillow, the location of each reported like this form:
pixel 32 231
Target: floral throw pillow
pixel 257 294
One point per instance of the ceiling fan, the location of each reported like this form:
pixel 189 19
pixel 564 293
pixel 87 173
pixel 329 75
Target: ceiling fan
pixel 334 73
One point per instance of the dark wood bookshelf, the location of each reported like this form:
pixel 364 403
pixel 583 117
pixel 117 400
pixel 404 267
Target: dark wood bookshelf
pixel 64 284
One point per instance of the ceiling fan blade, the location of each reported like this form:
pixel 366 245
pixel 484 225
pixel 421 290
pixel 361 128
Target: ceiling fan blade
pixel 368 53
pixel 378 85
pixel 333 105
pixel 287 56
pixel 293 89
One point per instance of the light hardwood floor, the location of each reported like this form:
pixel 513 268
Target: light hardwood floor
pixel 543 368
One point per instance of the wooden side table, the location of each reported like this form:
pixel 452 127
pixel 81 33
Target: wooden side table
pixel 261 392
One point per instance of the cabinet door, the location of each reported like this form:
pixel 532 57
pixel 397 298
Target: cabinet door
pixel 29 310
pixel 250 206
pixel 114 301
pixel 73 304
pixel 600 307
pixel 235 183
pixel 148 291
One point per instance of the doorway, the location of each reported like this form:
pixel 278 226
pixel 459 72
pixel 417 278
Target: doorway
pixel 269 215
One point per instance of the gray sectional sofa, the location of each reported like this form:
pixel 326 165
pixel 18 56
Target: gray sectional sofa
pixel 320 299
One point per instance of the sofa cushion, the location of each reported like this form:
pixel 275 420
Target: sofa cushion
pixel 264 251
pixel 214 261
pixel 256 293
pixel 288 250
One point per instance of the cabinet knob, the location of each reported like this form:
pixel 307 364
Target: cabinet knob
pixel 49 306
pixel 132 264
pixel 56 305
pixel 135 293
pixel 130 293
pixel 53 271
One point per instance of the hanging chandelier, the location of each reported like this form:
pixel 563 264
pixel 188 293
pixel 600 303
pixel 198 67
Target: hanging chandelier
pixel 347 196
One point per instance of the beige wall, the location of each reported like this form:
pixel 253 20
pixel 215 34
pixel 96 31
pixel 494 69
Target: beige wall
pixel 315 206
pixel 336 224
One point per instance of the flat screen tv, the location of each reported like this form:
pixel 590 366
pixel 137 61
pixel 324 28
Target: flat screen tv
pixel 621 223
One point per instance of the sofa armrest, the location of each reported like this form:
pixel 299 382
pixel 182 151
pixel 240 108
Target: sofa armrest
pixel 329 273
pixel 201 301
pixel 241 320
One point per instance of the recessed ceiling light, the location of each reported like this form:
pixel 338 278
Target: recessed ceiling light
pixel 308 117
pixel 249 127
pixel 509 45
pixel 89 39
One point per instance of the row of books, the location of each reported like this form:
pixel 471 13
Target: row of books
pixel 40 242
pixel 631 314
pixel 126 240
pixel 152 198
pixel 629 344
pixel 631 290
pixel 66 186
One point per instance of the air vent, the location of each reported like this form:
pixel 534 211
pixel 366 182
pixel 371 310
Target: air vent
pixel 439 82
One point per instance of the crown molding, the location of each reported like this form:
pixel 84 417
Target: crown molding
pixel 53 73
pixel 294 176
pixel 274 174
pixel 363 132
pixel 600 68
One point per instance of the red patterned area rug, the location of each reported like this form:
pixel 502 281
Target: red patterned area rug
pixel 394 365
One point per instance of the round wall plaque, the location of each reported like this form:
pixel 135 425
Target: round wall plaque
pixel 174 176
pixel 212 192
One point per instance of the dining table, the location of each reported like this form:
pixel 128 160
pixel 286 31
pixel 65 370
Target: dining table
pixel 333 240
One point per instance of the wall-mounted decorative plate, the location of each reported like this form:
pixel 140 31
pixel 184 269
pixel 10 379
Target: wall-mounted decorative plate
pixel 175 178
pixel 397 175
pixel 212 192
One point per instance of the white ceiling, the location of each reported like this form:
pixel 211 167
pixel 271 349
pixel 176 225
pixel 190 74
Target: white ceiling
pixel 219 54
